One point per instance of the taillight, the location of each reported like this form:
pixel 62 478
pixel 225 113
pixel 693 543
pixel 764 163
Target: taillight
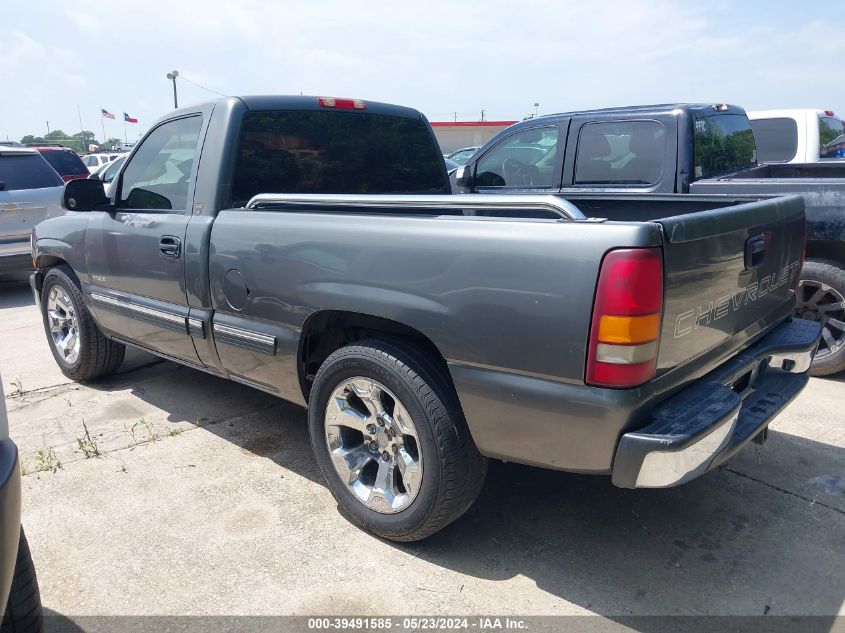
pixel 342 104
pixel 626 319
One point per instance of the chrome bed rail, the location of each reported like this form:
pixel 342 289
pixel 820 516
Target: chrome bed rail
pixel 563 208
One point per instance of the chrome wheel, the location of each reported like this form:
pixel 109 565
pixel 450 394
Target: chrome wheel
pixel 373 445
pixel 819 302
pixel 64 325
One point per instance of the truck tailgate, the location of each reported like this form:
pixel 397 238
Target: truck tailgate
pixel 729 276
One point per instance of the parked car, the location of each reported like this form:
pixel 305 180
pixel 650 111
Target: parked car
pixel 30 191
pixel 677 148
pixel 11 144
pixel 20 599
pixel 108 172
pixel 797 136
pixel 450 165
pixel 64 160
pixel 461 156
pixel 427 332
pixel 96 161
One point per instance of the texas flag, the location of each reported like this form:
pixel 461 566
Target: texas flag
pixel 129 119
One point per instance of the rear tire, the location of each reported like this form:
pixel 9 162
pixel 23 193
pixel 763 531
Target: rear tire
pixel 89 355
pixel 23 611
pixel 821 297
pixel 451 470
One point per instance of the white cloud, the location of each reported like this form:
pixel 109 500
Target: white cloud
pixel 439 56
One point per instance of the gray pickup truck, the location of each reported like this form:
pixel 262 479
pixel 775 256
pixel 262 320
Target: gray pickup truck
pixel 678 148
pixel 310 248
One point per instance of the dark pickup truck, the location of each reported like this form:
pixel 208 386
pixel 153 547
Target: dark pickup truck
pixel 309 247
pixel 678 148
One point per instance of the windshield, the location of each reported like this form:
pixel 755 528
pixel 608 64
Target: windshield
pixel 111 171
pixel 723 143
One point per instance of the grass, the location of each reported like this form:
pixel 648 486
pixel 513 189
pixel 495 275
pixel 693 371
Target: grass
pixel 141 426
pixel 17 388
pixel 87 444
pixel 47 460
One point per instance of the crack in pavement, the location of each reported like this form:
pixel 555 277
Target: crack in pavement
pixel 785 491
pixel 59 388
pixel 150 440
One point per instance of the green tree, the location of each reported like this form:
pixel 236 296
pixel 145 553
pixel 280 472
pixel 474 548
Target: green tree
pixel 29 138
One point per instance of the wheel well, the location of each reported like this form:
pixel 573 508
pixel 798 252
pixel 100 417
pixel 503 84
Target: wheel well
pixel 827 249
pixel 327 331
pixel 49 261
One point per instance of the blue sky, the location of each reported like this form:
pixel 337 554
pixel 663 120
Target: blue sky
pixel 440 57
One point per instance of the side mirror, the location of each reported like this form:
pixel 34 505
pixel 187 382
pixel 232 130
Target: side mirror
pixel 84 194
pixel 463 177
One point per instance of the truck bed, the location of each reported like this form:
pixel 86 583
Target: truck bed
pixel 830 169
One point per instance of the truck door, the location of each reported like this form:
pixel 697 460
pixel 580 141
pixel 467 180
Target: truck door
pixel 529 160
pixel 135 253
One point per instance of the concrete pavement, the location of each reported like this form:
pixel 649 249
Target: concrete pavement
pixel 205 499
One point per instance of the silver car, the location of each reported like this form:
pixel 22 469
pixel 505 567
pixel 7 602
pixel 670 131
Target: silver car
pixel 30 191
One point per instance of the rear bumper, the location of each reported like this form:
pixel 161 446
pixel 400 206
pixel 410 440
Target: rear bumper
pixel 707 423
pixel 10 516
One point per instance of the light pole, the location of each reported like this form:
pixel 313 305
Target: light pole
pixel 536 105
pixel 172 76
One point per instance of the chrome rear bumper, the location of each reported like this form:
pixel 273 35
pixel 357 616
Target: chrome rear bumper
pixel 709 422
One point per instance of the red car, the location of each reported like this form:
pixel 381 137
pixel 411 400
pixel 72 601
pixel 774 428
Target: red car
pixel 64 160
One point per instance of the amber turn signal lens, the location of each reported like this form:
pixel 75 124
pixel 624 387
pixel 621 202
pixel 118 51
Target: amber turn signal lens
pixel 629 330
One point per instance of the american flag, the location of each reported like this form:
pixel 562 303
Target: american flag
pixel 106 114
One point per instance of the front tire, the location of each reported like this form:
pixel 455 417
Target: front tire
pixel 77 344
pixel 23 610
pixel 821 297
pixel 391 440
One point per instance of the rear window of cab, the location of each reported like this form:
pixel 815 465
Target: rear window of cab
pixel 65 161
pixel 776 139
pixel 315 151
pixel 26 171
pixel 724 143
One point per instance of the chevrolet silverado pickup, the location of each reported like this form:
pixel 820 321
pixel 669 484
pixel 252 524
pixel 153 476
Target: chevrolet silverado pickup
pixel 678 148
pixel 310 248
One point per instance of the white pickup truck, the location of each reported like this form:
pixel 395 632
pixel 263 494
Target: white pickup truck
pixel 797 136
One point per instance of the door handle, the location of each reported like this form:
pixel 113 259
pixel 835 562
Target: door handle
pixel 170 247
pixel 755 252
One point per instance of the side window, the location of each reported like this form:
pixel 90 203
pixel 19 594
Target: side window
pixel 524 159
pixel 91 161
pixel 623 152
pixel 157 176
pixel 831 139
